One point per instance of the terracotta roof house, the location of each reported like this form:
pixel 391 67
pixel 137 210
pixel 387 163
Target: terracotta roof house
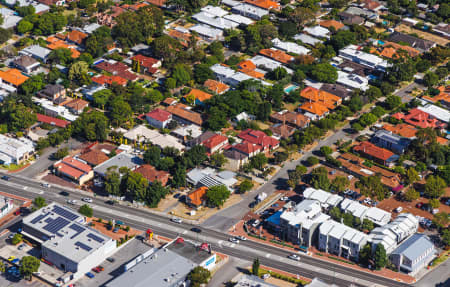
pixel 215 143
pixel 420 119
pixel 281 130
pixel 199 96
pixel 117 69
pixel 183 114
pixel 404 130
pixel 249 68
pixel 337 90
pixel 314 110
pixel 265 4
pixel 277 55
pixel 259 138
pixel 76 37
pixel 216 86
pixel 148 65
pixel 74 169
pixel 330 101
pixel 152 174
pixel 13 77
pixel 291 118
pixel 169 102
pixel 109 80
pixel 372 5
pixel 197 197
pixel 331 23
pixel 94 157
pixel 52 121
pixel 183 38
pixel 443 97
pixel 77 106
pixel 410 50
pixel 26 64
pixel 378 154
pixel 158 118
pixel 159 3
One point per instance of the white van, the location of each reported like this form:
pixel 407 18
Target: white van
pixel 399 209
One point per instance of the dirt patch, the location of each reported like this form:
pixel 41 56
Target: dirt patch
pixel 102 227
pixel 424 35
pixel 167 202
pixel 51 178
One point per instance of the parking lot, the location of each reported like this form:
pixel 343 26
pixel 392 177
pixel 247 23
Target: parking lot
pixel 112 269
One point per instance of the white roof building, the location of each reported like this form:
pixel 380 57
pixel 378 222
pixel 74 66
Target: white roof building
pixel 231 77
pixel 14 150
pixel 352 81
pixel 268 63
pixel 208 33
pixel 55 110
pixel 36 52
pixel 143 134
pixel 231 3
pixel 353 53
pixel 318 31
pixel 326 199
pixel 306 39
pixel 374 214
pixel 214 21
pixel 437 112
pixel 90 28
pixel 306 213
pixel 10 18
pixel 209 177
pixel 289 47
pixel 250 11
pixel 214 10
pixel 193 131
pixel 241 20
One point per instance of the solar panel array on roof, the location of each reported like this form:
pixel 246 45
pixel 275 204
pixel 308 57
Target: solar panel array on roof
pixel 78 229
pixel 56 225
pixel 38 218
pixel 83 246
pixel 65 213
pixel 95 237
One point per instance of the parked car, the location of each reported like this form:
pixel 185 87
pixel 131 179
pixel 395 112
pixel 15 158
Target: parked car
pixel 96 269
pixel 11 258
pixel 367 201
pixel 233 240
pixel 72 201
pixel 46 185
pixel 17 212
pixel 87 199
pixel 11 236
pixel 64 193
pixel 177 220
pixel 256 223
pixel 21 246
pixel 90 275
pixel 399 209
pixel 196 230
pixel 240 237
pixel 110 202
pixel 284 198
pixel 110 259
pixel 265 276
pixel 116 229
pixel 294 257
pixel 419 205
pixel 5 177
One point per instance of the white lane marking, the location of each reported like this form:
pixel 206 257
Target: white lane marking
pixel 25 187
pixel 220 242
pixel 268 255
pixel 184 232
pixel 232 245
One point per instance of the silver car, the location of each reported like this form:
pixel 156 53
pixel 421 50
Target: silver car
pixel 177 220
pixel 87 199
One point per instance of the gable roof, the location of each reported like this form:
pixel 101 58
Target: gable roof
pixel 13 77
pixel 184 113
pixel 25 61
pixel 73 167
pixel 411 40
pixel 199 95
pixel 94 157
pixel 282 130
pixel 404 130
pixel 246 148
pixel 159 115
pixel 277 55
pixel 216 86
pixel 315 108
pixel 337 90
pixel 109 80
pixel 214 141
pixel 152 174
pixel 292 118
pixel 331 23
pixel 76 36
pixel 118 69
pixel 198 196
pixel 146 62
pixel 414 247
pixel 52 121
pixel 258 138
pixel 373 151
pixel 77 104
pixel 328 100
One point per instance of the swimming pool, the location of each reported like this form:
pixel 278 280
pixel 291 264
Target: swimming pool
pixel 290 88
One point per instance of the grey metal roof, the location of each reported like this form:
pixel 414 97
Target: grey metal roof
pixel 121 160
pixel 414 247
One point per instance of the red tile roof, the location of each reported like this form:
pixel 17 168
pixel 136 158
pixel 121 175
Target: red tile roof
pixel 258 138
pixel 420 119
pixel 277 55
pixel 52 121
pixel 117 69
pixel 199 95
pixel 77 104
pixel 72 167
pixel 198 196
pixel 214 141
pixel 184 113
pixel 216 86
pixel 146 62
pixel 152 174
pixel 159 115
pixel 109 80
pixel 76 36
pixel 94 157
pixel 373 151
pixel 246 148
pixel 265 4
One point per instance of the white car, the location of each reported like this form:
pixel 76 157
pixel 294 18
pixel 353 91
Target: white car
pixel 233 240
pixel 266 276
pixel 256 223
pixel 177 220
pixel 240 237
pixel 367 201
pixel 87 199
pixel 284 198
pixel 72 201
pixel 294 257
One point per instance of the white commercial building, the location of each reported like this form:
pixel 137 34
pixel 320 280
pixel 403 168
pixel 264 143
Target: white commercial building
pixel 374 214
pixel 66 241
pixel 352 81
pixel 289 47
pixel 391 234
pixel 15 151
pixel 326 199
pixel 354 54
pixel 339 239
pixel 6 205
pixel 299 224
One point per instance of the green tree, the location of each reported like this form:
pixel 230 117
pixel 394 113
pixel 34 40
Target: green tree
pixel 61 153
pixel 245 185
pixel 340 183
pixel 152 155
pixel 181 74
pixel 24 26
pixel 39 202
pixel 367 225
pixel 326 150
pixel 101 98
pixel 179 176
pixel 195 156
pixel 312 160
pixel 324 72
pixel 434 203
pixel 255 267
pixel 380 257
pixel 445 236
pixel 202 72
pixel 217 159
pixel 412 175
pixel 319 178
pixel 347 219
pixel 61 56
pixel 411 194
pixel 366 254
pixel 199 276
pixel 78 70
pixel 17 238
pixel 120 111
pixel 441 219
pixel 259 161
pixel 336 214
pixel 217 195
pixel 430 79
pixel 434 187
pixel 29 265
pixel 134 185
pixel 342 38
pixel 392 102
pixel 86 210
pixel 112 182
pixel 155 192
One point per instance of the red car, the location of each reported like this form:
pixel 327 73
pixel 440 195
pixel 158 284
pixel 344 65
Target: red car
pixel 419 205
pixel 17 212
pixel 96 269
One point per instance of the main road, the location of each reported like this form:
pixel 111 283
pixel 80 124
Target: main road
pixel 248 250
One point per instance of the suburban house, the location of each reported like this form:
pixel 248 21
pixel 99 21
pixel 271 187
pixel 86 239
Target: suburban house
pixel 354 54
pixel 437 112
pixel 331 23
pixel 187 132
pixel 293 119
pixel 259 138
pixel 374 214
pixel 183 114
pixel 417 43
pixel 197 197
pixel 209 177
pixel 289 47
pixel 282 130
pixel 352 81
pixel 52 121
pixel 249 11
pixel 443 29
pixel 147 64
pixel 314 111
pixel 351 19
pixel 107 81
pixel 378 154
pixel 152 174
pixel 216 86
pixel 158 118
pixel 317 31
pixel 390 141
pixel 326 99
pixel 93 157
pixel 76 106
pixel 13 77
pixel 76 37
pixel 300 223
pixel 326 199
pixel 413 254
pixel 52 92
pixel 403 130
pixel 26 64
pixel 74 169
pixel 341 240
pixel 421 119
pixel 337 90
pixel 198 97
pixel 117 69
pixel 277 55
pixel 265 4
pixel 37 52
pixel 15 151
pixel 235 159
pixel 215 143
